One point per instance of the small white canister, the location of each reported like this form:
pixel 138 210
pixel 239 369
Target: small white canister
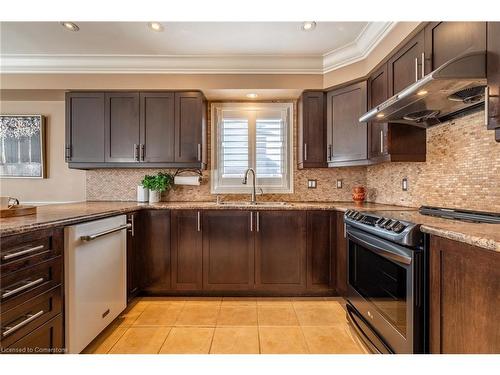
pixel 154 196
pixel 142 194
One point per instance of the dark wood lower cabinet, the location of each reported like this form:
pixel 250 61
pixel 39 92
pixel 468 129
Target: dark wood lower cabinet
pixel 340 256
pixel 228 250
pixel 154 255
pixel 280 250
pixel 46 339
pixel 320 231
pixel 186 250
pixel 133 249
pixel 464 301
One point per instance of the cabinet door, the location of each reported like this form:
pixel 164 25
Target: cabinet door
pixel 312 130
pixel 122 127
pixel 157 127
pixel 377 93
pixel 319 248
pixel 189 127
pixel 464 303
pixel 228 250
pixel 154 256
pixel 346 134
pixel 280 250
pixel 341 256
pixel 85 127
pixel 493 74
pixel 405 66
pixel 186 250
pixel 447 40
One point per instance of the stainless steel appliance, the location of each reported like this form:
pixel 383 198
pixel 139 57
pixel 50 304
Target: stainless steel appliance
pixel 386 282
pixel 457 85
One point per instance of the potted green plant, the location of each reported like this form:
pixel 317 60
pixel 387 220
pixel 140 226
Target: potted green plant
pixel 158 184
pixel 144 187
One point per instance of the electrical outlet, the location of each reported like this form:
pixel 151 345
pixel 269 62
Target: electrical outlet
pixel 339 184
pixel 404 184
pixel 311 184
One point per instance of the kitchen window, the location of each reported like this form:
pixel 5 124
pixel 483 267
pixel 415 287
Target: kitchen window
pixel 252 135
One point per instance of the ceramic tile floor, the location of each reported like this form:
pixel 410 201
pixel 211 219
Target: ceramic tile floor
pixel 229 326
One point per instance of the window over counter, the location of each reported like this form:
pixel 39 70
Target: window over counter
pixel 252 135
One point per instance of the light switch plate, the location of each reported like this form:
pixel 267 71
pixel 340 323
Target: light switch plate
pixel 339 184
pixel 311 184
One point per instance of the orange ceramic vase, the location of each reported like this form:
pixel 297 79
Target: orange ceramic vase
pixel 358 194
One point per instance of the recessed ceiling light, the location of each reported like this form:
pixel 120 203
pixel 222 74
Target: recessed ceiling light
pixel 155 26
pixel 252 95
pixel 70 26
pixel 308 25
pixel 380 115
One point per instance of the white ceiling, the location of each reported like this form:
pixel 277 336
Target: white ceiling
pixel 244 47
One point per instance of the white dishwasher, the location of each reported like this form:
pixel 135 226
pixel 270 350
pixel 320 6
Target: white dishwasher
pixel 95 256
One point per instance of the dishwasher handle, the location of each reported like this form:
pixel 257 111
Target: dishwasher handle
pixel 106 232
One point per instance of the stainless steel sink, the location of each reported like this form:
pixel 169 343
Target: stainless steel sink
pixel 256 204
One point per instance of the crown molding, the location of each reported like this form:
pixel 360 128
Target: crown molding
pixel 355 51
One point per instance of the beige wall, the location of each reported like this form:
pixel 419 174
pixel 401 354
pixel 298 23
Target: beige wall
pixel 61 184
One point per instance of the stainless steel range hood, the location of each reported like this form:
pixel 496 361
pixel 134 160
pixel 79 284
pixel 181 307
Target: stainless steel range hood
pixel 453 87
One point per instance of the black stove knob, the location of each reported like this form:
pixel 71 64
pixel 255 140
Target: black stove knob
pixel 388 224
pixel 399 227
pixel 379 221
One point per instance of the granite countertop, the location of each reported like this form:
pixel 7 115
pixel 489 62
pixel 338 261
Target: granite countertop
pixel 486 236
pixel 66 214
pixel 482 235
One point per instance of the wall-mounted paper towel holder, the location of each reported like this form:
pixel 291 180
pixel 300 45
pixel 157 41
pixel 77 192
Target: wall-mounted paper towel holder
pixel 188 180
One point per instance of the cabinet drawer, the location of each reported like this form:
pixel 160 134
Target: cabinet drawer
pixel 46 339
pixel 21 251
pixel 17 287
pixel 23 319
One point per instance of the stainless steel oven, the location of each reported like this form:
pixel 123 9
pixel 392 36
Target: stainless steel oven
pixel 386 283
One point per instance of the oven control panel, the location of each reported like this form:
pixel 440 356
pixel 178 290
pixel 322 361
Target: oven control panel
pixel 399 231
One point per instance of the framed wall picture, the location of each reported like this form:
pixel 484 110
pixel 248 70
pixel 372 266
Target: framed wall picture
pixel 22 146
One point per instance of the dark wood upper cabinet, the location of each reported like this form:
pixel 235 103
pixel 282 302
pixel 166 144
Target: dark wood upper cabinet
pixel 320 232
pixel 340 263
pixel 228 250
pixel 378 92
pixel 186 250
pixel 157 127
pixel 347 137
pixel 84 127
pixel 447 40
pixel 280 250
pixel 405 66
pixel 464 299
pixel 312 150
pixel 189 127
pixel 122 136
pixel 154 253
pixel 493 74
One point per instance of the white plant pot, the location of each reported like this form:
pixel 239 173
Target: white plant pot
pixel 154 196
pixel 142 194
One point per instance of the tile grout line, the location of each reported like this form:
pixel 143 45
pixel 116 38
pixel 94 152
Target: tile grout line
pixel 216 324
pixel 301 330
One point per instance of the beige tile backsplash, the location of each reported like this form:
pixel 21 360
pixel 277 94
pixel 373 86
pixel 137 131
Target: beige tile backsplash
pixel 462 170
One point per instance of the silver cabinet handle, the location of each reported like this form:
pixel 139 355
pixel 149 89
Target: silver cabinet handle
pixel 23 287
pixel 23 252
pixel 345 230
pixel 305 151
pixel 29 319
pixel 136 152
pixel 142 152
pixel 416 69
pixel 106 232
pixel 68 153
pixel 486 105
pixel 199 152
pixel 198 222
pixel 258 221
pixel 423 64
pixel 251 221
pixel 132 225
pixel 330 152
pixel 381 141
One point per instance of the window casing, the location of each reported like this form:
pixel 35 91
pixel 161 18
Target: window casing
pixel 252 135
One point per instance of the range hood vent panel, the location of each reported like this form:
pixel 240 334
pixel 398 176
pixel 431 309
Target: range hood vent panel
pixel 434 93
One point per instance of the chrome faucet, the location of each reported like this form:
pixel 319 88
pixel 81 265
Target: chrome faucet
pixel 244 182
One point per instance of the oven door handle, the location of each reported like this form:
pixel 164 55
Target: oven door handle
pixel 383 248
